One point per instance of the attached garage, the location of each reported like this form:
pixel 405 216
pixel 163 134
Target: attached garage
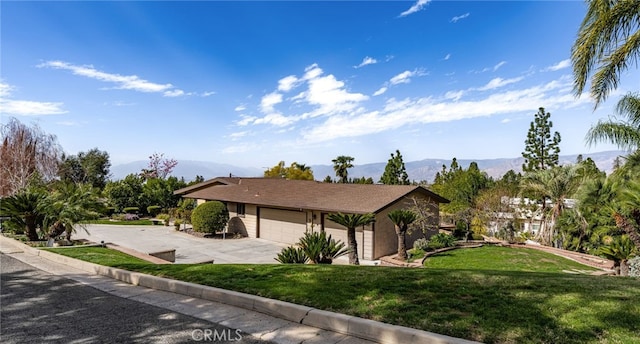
pixel 279 225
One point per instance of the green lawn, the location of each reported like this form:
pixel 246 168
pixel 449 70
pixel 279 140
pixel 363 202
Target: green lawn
pixel 489 294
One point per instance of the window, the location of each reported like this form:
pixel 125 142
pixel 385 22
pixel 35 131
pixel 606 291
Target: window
pixel 240 209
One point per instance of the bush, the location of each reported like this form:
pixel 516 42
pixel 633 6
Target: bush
pixel 321 249
pixel 421 244
pixel 476 236
pixel 210 217
pixel 177 224
pixel 165 218
pixel 108 211
pixel 441 240
pixel 131 210
pixel 154 210
pixel 292 255
pixel 634 267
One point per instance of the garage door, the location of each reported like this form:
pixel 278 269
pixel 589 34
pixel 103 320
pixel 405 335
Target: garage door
pixel 283 226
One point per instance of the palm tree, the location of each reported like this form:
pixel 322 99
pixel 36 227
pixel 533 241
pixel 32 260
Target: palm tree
pixel 351 221
pixel 623 130
pixel 556 184
pixel 608 40
pixel 69 205
pixel 401 219
pixel 628 219
pixel 22 211
pixel 619 249
pixel 341 165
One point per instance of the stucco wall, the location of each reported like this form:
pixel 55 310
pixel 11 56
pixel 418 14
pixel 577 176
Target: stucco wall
pixel 386 240
pixel 244 224
pixel 364 237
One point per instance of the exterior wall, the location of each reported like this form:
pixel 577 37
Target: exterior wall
pixel 385 237
pixel 245 224
pixel 364 237
pixel 200 201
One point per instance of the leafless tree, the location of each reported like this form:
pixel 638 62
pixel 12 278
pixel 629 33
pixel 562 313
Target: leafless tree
pixel 27 152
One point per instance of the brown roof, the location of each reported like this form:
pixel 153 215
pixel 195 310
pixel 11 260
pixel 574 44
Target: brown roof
pixel 304 194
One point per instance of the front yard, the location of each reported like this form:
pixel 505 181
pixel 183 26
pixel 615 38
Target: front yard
pixel 489 294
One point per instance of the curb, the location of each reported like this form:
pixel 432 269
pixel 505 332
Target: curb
pixel 340 323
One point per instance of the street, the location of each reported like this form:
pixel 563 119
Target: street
pixel 38 307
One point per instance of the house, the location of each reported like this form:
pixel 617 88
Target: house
pixel 283 210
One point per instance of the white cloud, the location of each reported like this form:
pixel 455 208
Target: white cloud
pixel 207 94
pixel 456 18
pixel 124 82
pixel 26 107
pixel 454 95
pixel 398 113
pixel 498 82
pixel 506 120
pixel 68 123
pixel 240 148
pixel 324 96
pixel 287 83
pixel 269 101
pixel 500 64
pixel 418 6
pixel 173 93
pixel 405 77
pixel 448 56
pixel 366 61
pixel 381 91
pixel 558 66
pixel 240 108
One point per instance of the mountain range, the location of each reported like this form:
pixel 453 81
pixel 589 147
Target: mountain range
pixel 417 170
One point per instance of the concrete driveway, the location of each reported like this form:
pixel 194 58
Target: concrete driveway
pixel 189 249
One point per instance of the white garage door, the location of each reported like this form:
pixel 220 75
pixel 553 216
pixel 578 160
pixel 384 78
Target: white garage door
pixel 283 226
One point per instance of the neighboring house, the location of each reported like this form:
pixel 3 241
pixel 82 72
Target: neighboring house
pixel 527 213
pixel 283 210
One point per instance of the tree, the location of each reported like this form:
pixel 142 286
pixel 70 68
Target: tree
pixel 351 222
pixel 541 149
pixel 556 184
pixel 91 167
pixel 341 165
pixel 294 172
pixel 623 130
pixel 401 219
pixel 26 153
pixel 68 205
pixel 628 219
pixel 608 40
pixel 395 173
pixel 21 209
pixel 159 167
pixel 127 192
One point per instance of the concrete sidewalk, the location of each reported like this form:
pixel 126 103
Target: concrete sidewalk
pixel 263 318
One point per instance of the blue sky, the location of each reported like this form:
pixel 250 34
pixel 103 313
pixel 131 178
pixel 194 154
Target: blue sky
pixel 253 83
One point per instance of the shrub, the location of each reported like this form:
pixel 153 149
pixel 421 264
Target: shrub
pixel 476 236
pixel 441 240
pixel 154 210
pixel 321 249
pixel 177 224
pixel 210 217
pixel 292 255
pixel 421 244
pixel 131 210
pixel 634 267
pixel 108 211
pixel 415 253
pixel 165 218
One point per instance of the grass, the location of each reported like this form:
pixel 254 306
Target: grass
pixel 489 294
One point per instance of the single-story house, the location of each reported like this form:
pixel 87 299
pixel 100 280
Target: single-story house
pixel 283 210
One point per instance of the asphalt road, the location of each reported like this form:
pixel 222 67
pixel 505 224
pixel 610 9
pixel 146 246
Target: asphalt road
pixel 37 307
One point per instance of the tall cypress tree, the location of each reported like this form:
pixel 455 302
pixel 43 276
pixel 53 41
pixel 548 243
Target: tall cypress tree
pixel 541 149
pixel 395 172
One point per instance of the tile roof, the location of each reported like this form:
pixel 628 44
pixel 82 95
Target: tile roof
pixel 303 194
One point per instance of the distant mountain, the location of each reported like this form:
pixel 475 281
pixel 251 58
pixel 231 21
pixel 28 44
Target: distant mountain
pixel 188 169
pixel 417 170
